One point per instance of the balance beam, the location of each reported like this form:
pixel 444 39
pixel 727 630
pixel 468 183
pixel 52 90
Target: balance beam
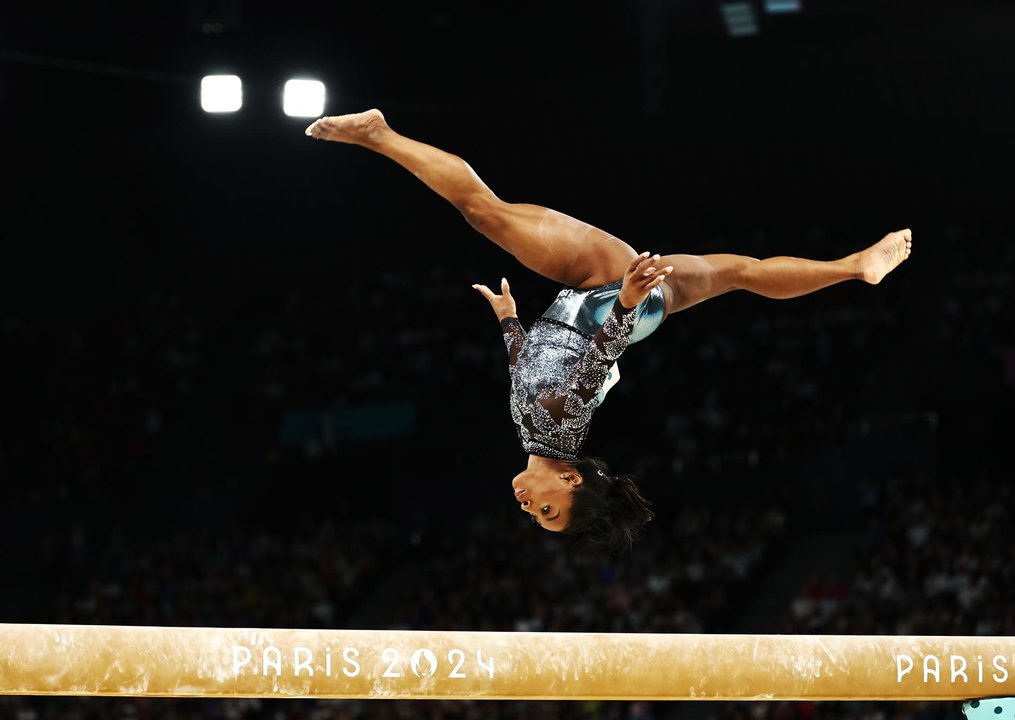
pixel 389 664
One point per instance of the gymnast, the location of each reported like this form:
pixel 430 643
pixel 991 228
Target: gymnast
pixel 561 369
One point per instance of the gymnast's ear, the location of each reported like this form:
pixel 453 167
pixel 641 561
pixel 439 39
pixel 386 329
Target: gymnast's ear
pixel 572 477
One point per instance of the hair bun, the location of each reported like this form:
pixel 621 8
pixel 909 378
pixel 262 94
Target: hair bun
pixel 608 509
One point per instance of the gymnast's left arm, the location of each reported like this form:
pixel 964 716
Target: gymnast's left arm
pixel 611 340
pixel 608 344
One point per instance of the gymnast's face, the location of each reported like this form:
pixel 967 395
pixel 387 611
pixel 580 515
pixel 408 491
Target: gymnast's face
pixel 545 494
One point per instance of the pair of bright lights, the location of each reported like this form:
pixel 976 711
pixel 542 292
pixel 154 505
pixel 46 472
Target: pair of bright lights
pixel 224 93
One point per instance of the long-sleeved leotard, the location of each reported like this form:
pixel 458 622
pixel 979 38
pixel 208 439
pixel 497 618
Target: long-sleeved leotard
pixel 556 376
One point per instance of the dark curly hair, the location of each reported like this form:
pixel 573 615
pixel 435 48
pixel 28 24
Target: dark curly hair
pixel 606 509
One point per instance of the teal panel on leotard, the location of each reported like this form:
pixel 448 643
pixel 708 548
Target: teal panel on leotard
pixel 586 310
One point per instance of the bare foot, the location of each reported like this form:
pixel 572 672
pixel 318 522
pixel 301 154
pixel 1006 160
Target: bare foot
pixel 358 128
pixel 884 256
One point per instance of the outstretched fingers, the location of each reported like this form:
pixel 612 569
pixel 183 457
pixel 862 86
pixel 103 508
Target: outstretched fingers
pixel 658 276
pixel 643 274
pixel 638 263
pixel 505 290
pixel 503 304
pixel 641 278
pixel 485 292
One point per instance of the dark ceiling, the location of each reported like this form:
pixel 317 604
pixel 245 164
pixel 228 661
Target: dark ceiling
pixel 637 115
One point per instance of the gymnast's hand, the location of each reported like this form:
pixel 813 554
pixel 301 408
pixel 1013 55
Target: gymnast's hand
pixel 503 304
pixel 641 278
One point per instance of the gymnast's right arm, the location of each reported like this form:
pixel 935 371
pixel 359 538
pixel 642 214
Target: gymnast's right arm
pixel 514 336
pixel 504 306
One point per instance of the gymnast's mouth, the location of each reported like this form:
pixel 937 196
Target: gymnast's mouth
pixel 518 493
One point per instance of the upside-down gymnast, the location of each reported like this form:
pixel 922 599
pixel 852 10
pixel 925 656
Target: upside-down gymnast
pixel 561 369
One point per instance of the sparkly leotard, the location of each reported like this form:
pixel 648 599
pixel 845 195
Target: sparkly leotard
pixel 558 368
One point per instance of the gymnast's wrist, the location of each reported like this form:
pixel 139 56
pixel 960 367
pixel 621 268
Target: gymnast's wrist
pixel 622 307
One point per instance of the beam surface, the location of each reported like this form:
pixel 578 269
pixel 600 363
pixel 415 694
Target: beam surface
pixel 228 662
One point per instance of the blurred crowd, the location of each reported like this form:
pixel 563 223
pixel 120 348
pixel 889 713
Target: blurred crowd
pixel 938 560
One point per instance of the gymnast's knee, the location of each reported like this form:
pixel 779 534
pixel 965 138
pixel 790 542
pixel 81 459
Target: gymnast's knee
pixel 483 210
pixel 739 273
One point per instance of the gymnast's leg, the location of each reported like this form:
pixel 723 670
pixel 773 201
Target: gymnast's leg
pixel 552 244
pixel 697 278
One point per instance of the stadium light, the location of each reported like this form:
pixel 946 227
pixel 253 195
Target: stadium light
pixel 303 98
pixel 739 18
pixel 221 93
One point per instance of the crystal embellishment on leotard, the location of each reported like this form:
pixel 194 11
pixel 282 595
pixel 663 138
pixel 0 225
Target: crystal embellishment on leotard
pixel 556 375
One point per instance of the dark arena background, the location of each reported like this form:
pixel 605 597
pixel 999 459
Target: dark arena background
pixel 246 381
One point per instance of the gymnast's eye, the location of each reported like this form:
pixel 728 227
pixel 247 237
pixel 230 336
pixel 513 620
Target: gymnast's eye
pixel 545 509
pixel 532 517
